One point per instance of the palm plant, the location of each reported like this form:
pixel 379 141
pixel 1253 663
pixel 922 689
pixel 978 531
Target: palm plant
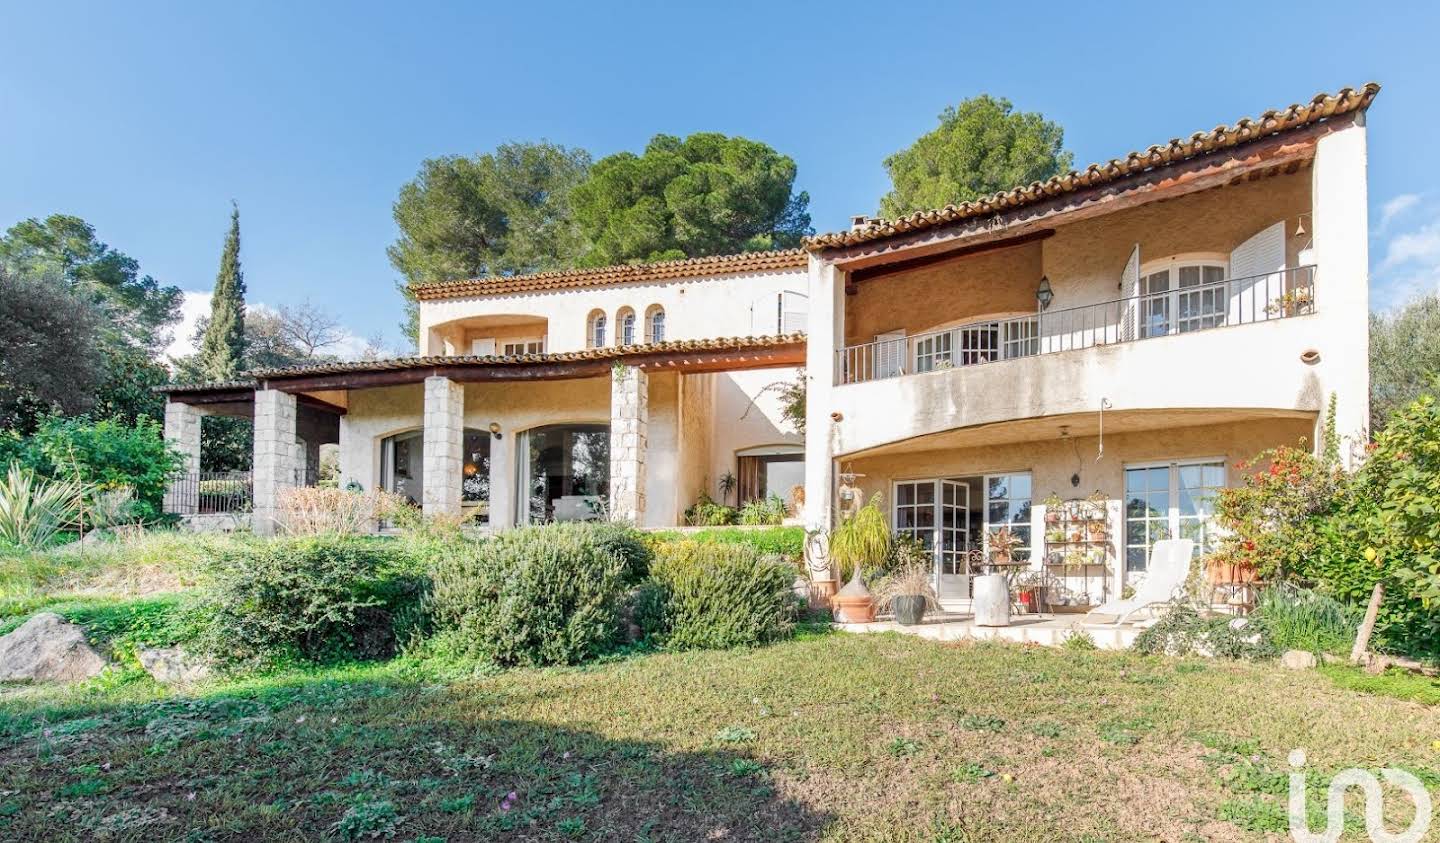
pixel 863 539
pixel 727 485
pixel 33 509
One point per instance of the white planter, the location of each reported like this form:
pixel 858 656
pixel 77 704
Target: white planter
pixel 992 600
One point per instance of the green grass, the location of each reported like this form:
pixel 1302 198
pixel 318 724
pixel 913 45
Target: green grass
pixel 1400 684
pixel 827 737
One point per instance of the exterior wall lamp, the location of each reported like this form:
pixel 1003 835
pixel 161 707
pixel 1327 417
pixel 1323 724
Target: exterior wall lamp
pixel 1043 294
pixel 495 429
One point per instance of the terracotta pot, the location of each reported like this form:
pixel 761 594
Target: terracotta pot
pixel 1231 574
pixel 854 608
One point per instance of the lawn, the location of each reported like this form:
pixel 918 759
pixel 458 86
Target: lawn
pixel 827 737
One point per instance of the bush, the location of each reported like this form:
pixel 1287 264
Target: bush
pixel 33 510
pixel 107 454
pixel 723 595
pixel 788 542
pixel 311 510
pixel 1182 631
pixel 1300 619
pixel 771 510
pixel 707 513
pixel 547 595
pixel 316 599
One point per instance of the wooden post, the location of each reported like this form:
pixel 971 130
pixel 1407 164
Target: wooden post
pixel 1362 638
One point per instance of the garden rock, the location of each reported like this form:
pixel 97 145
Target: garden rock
pixel 47 648
pixel 1297 660
pixel 173 666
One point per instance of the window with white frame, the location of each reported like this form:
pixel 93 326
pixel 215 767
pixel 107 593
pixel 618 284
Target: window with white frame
pixel 1007 506
pixel 1020 338
pixel 516 348
pixel 1170 500
pixel 596 332
pixel 915 511
pixel 625 326
pixel 655 324
pixel 932 352
pixel 1182 296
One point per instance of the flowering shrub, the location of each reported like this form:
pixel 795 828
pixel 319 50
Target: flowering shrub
pixel 1270 517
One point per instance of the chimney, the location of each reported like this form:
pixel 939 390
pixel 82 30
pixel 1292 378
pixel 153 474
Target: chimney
pixel 859 221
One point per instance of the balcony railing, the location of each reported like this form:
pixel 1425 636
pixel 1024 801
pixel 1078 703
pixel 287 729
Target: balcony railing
pixel 1178 310
pixel 210 492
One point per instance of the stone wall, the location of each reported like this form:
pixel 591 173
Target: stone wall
pixel 629 432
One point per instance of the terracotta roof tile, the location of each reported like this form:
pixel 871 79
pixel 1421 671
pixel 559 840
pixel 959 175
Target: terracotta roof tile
pixel 606 353
pixel 607 275
pixel 1246 130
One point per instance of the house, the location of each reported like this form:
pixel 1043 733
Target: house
pixel 1079 363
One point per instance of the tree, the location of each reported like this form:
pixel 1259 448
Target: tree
pixel 50 360
pixel 135 312
pixel 982 146
pixel 499 213
pixel 707 194
pixel 222 348
pixel 1404 356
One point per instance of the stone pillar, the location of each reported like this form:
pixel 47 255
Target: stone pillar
pixel 275 461
pixel 182 432
pixel 629 431
pixel 444 446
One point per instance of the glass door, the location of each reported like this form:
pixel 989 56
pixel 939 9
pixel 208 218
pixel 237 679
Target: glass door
pixel 952 561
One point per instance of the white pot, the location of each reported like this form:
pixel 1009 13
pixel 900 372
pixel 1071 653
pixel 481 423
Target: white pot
pixel 991 600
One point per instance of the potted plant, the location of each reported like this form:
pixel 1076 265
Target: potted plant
pixel 1002 545
pixel 1055 535
pixel 861 540
pixel 1053 507
pixel 908 592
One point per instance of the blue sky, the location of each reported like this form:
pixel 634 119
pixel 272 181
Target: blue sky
pixel 147 119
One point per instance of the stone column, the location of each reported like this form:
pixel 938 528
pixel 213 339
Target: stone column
pixel 444 446
pixel 275 461
pixel 629 432
pixel 182 432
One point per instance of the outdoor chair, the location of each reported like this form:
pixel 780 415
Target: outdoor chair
pixel 1169 566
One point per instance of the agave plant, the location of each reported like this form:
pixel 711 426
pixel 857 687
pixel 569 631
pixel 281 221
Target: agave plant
pixel 33 509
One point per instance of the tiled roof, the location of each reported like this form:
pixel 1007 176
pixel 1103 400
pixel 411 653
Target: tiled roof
pixel 607 353
pixel 1322 107
pixel 214 386
pixel 607 275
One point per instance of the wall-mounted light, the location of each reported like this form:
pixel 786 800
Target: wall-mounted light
pixel 1300 225
pixel 495 429
pixel 1043 294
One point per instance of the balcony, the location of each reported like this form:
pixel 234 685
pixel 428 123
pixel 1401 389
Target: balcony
pixel 1179 310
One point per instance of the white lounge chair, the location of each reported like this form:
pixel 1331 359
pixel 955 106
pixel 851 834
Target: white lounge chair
pixel 1169 566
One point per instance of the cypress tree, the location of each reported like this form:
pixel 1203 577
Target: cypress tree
pixel 222 349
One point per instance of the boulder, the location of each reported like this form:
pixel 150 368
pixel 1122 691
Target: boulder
pixel 47 648
pixel 173 666
pixel 1297 660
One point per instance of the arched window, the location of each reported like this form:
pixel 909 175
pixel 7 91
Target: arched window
pixel 625 326
pixel 595 330
pixel 655 324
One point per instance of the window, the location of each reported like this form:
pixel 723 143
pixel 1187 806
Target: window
pixel 564 472
pixel 625 326
pixel 915 511
pixel 596 332
pixel 519 347
pixel 1174 500
pixel 655 324
pixel 402 468
pixel 932 352
pixel 1182 297
pixel 1020 338
pixel 771 470
pixel 1007 505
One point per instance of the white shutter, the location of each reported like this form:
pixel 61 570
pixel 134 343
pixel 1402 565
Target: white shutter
pixel 794 312
pixel 1130 294
pixel 1257 268
pixel 890 354
pixel 765 316
pixel 482 348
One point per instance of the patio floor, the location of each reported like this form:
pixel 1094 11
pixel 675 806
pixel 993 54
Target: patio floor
pixel 1046 629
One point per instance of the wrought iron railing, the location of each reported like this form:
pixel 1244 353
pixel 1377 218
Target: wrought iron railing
pixel 1178 310
pixel 210 492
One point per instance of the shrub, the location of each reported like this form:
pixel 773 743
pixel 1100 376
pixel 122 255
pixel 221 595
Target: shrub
pixel 788 542
pixel 33 510
pixel 705 512
pixel 1182 630
pixel 107 454
pixel 861 541
pixel 546 595
pixel 624 542
pixel 315 598
pixel 723 595
pixel 311 510
pixel 1300 619
pixel 758 512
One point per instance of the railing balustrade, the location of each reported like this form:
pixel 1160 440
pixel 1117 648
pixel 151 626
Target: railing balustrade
pixel 210 492
pixel 1178 310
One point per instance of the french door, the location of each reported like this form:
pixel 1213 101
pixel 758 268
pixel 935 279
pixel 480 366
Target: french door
pixel 936 513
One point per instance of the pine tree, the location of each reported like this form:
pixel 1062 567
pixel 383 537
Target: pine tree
pixel 222 349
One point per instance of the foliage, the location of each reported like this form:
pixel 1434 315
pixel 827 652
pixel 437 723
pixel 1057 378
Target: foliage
pixel 723 595
pixel 1269 518
pixel 1397 683
pixel 727 485
pixel 546 595
pixel 33 509
pixel 705 512
pixel 39 314
pixel 313 511
pixel 1184 630
pixel 222 348
pixel 761 511
pixel 136 310
pixel 625 543
pixel 982 146
pixel 500 213
pixel 706 194
pixel 312 598
pixel 1301 619
pixel 108 454
pixel 1404 356
pixel 911 579
pixel 861 541
pixel 788 542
